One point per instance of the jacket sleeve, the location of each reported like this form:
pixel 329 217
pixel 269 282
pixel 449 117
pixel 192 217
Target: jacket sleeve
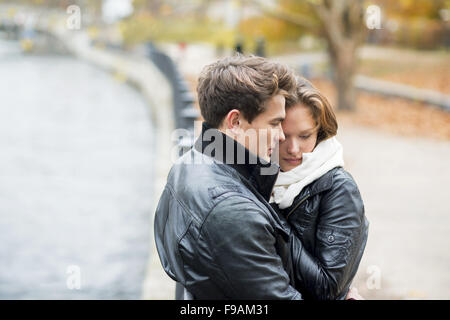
pixel 244 252
pixel 341 236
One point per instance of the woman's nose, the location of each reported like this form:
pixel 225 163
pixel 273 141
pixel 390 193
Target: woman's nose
pixel 293 147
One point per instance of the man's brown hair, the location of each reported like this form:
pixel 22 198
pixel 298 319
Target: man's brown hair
pixel 321 110
pixel 240 82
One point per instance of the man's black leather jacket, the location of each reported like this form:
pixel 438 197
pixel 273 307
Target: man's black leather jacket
pixel 215 232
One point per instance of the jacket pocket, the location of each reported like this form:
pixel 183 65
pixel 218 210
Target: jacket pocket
pixel 332 246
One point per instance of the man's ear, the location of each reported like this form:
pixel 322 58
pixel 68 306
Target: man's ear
pixel 233 121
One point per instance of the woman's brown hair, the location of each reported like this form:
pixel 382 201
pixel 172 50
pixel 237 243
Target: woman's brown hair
pixel 322 112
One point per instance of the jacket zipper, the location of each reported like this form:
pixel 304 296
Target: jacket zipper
pixel 298 204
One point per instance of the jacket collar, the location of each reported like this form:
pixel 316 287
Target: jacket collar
pixel 322 184
pixel 325 182
pixel 258 172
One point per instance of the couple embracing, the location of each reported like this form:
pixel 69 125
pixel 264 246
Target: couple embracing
pixel 261 206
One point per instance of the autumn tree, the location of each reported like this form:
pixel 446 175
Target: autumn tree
pixel 341 23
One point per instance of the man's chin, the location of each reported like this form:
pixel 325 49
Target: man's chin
pixel 265 158
pixel 268 155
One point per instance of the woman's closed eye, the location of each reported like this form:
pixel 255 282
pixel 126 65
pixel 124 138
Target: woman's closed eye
pixel 275 124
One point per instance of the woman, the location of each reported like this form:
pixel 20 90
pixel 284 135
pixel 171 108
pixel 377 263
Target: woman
pixel 319 198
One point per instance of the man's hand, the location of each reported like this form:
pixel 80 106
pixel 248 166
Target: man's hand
pixel 353 294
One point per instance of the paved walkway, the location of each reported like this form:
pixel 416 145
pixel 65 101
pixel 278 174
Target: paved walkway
pixel 404 183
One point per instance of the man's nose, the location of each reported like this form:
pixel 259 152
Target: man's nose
pixel 281 136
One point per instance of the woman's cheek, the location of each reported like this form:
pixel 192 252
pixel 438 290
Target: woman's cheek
pixel 283 147
pixel 313 144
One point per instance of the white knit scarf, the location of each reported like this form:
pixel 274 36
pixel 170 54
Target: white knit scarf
pixel 327 155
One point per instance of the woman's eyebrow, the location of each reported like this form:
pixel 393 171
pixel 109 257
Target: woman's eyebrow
pixel 306 131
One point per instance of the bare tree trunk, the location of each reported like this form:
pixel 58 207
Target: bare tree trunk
pixel 343 61
pixel 343 23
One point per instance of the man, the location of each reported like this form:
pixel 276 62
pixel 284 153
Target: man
pixel 215 232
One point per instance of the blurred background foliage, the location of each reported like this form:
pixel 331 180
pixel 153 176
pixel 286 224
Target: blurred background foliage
pixel 419 24
pixel 337 28
pixel 422 24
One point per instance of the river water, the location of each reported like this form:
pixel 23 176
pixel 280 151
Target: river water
pixel 75 180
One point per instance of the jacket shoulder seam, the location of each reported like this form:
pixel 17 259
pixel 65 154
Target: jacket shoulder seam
pixel 174 195
pixel 234 194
